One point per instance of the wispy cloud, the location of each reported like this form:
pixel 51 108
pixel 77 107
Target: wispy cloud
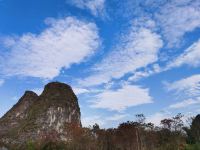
pixel 38 91
pixel 122 98
pixel 151 70
pixel 157 117
pixel 185 103
pixel 177 18
pixel 116 117
pixel 126 57
pixel 79 91
pixel 189 86
pixel 174 18
pixel 103 120
pixel 96 7
pixel 1 82
pixel 191 57
pixel 44 55
pixel 89 121
pixel 187 89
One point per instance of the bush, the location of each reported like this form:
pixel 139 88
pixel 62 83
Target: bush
pixel 30 146
pixel 53 146
pixel 193 147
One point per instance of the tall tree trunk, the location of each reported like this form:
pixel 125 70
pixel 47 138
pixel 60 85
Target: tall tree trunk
pixel 139 142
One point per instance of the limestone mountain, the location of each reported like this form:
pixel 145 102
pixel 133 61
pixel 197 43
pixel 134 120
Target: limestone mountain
pixel 34 117
pixel 18 113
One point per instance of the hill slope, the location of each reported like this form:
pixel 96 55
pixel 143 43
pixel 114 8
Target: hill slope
pixel 34 117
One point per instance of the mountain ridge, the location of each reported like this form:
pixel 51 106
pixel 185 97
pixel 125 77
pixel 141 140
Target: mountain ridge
pixel 33 116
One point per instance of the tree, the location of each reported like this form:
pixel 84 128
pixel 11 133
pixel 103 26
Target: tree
pixel 167 123
pixel 171 136
pixel 95 128
pixel 177 122
pixel 195 129
pixel 140 118
pixel 128 136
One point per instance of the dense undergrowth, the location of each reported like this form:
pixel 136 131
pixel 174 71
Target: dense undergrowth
pixel 138 135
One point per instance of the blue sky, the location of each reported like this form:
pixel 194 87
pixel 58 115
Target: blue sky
pixel 120 57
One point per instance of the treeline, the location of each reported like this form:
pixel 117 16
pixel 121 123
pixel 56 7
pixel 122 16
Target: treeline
pixel 138 135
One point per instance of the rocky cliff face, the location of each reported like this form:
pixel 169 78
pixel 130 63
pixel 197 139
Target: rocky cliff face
pixel 18 113
pixel 35 117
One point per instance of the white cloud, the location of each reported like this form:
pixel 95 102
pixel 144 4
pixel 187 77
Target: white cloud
pixel 116 117
pixel 120 99
pixel 65 42
pixel 1 82
pixel 189 86
pixel 126 57
pixel 185 103
pixel 79 91
pixel 96 7
pixel 155 68
pixel 89 121
pixel 101 120
pixel 157 117
pixel 191 57
pixel 177 18
pixel 174 18
pixel 38 91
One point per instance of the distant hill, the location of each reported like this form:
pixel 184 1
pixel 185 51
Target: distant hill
pixel 35 117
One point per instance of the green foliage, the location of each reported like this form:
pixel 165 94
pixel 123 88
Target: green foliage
pixel 193 132
pixel 195 129
pixel 193 147
pixel 30 146
pixel 53 146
